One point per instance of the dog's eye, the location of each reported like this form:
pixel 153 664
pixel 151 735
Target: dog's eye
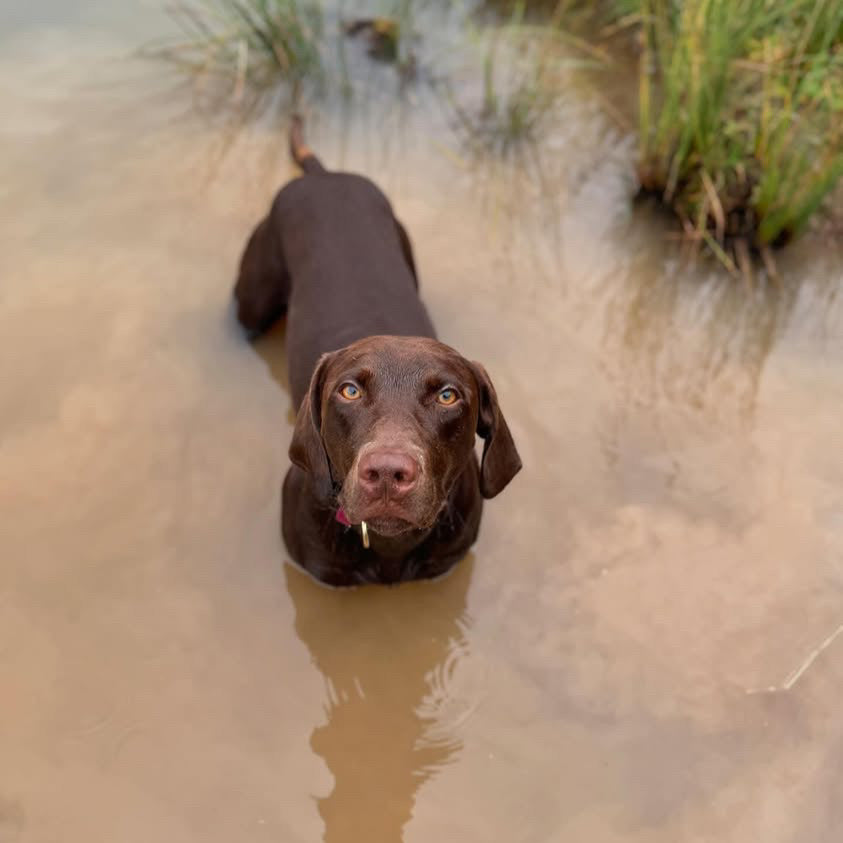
pixel 447 396
pixel 350 392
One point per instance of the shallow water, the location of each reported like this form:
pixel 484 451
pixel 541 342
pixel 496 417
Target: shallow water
pixel 599 668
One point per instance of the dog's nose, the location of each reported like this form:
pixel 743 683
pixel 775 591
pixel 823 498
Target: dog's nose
pixel 391 474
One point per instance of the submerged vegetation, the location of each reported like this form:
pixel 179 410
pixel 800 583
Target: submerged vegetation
pixel 247 46
pixel 390 36
pixel 519 86
pixel 739 102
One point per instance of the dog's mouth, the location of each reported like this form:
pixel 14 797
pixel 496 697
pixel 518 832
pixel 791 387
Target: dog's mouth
pixel 389 526
pixel 385 521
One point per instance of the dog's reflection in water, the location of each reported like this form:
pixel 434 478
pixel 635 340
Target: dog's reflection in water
pixel 384 653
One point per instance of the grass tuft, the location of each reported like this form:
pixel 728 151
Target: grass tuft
pixel 741 115
pixel 246 46
pixel 520 86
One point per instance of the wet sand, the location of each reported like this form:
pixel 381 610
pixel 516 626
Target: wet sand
pixel 617 660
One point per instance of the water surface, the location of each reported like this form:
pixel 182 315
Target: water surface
pixel 610 663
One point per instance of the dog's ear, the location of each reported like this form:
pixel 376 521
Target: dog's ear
pixel 307 448
pixel 500 462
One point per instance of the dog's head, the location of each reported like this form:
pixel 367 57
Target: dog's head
pixel 390 422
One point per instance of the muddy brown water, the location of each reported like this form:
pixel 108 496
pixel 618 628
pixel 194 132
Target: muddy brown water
pixel 640 646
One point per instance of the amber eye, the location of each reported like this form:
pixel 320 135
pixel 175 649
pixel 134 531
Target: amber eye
pixel 447 396
pixel 350 392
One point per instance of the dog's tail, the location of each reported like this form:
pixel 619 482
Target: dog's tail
pixel 301 152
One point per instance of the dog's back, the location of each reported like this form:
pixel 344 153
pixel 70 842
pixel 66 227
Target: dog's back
pixel 333 255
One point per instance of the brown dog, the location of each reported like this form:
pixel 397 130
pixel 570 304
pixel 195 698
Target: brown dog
pixel 385 485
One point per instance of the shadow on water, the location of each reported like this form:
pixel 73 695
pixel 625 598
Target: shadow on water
pixel 387 656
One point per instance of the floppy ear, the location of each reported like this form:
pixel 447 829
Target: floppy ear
pixel 307 448
pixel 500 461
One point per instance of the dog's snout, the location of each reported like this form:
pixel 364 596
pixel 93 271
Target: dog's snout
pixel 390 474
